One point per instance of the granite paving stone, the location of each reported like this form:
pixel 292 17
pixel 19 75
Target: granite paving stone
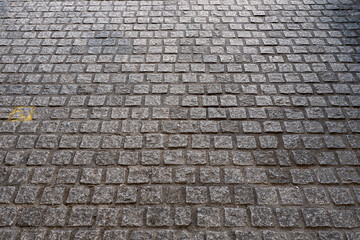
pixel 180 119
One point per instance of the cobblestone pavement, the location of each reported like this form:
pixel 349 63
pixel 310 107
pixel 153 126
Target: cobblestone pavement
pixel 189 119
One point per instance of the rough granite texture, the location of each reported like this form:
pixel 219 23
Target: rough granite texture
pixel 188 119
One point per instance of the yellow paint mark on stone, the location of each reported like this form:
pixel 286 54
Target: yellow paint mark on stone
pixel 22 114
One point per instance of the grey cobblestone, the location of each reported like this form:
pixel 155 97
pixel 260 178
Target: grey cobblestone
pixel 191 119
pixel 316 217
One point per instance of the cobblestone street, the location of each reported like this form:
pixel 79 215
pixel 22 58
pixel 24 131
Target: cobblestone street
pixel 180 120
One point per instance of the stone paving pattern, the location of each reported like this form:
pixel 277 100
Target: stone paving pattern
pixel 189 119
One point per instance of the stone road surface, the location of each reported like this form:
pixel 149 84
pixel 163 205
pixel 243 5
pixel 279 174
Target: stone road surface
pixel 188 119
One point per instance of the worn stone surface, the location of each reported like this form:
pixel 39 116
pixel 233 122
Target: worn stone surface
pixel 180 119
